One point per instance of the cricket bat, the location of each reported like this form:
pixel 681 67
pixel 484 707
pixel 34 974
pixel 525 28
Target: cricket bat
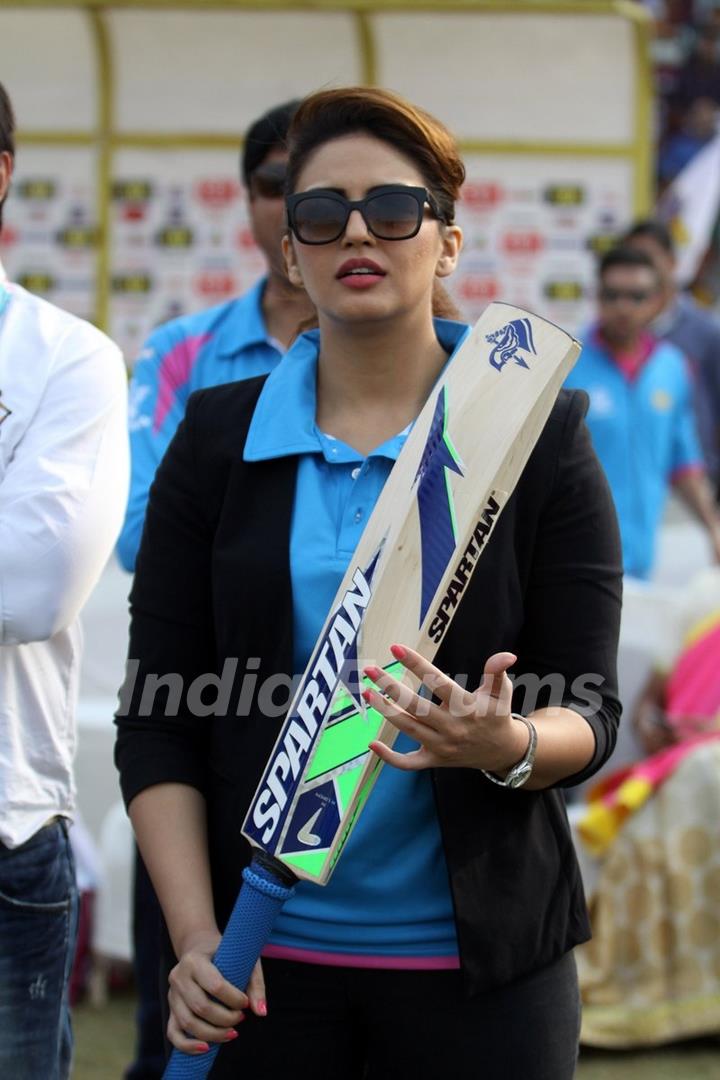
pixel 404 583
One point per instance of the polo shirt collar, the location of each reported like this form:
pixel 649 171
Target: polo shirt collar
pixel 246 325
pixel 284 419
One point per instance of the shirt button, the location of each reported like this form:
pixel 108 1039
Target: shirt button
pixel 356 472
pixel 358 515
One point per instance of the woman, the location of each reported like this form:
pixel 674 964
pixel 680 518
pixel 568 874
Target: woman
pixel 442 942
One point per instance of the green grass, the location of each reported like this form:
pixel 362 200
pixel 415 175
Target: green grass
pixel 104 1040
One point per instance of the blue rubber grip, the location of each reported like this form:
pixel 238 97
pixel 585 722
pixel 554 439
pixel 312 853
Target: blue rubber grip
pixel 256 908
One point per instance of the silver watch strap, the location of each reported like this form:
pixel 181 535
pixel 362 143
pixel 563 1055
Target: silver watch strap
pixel 514 777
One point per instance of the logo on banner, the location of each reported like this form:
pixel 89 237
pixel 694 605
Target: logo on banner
pixel 563 290
pixel 38 189
pixel 478 195
pixel 564 195
pixel 132 190
pixel 129 284
pixel 479 287
pixel 217 193
pixel 523 242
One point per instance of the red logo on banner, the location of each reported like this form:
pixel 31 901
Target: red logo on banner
pixel 245 239
pixel 133 212
pixel 522 243
pixel 478 195
pixel 216 285
pixel 9 236
pixel 217 193
pixel 478 287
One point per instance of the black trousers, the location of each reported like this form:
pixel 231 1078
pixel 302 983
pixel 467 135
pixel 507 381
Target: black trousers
pixel 329 1023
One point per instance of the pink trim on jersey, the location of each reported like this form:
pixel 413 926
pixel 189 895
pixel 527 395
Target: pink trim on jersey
pixel 630 361
pixel 694 469
pixel 355 960
pixel 174 372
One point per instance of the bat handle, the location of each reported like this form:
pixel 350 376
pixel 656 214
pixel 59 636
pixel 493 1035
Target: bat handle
pixel 267 884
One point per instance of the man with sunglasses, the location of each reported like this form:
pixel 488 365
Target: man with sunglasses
pixel 694 329
pixel 641 414
pixel 238 339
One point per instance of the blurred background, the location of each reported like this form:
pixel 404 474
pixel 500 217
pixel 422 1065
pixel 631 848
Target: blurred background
pixel 575 119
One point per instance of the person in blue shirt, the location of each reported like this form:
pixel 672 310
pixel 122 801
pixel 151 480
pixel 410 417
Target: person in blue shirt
pixel 235 340
pixel 641 410
pixel 441 946
pixel 694 329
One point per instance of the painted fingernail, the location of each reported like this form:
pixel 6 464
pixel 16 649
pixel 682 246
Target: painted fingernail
pixel 372 672
pixel 367 695
pixel 242 1017
pixel 262 1008
pixel 398 651
pixel 232 1034
pixel 202 1048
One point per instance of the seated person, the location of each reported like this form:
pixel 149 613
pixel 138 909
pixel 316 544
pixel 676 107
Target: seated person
pixel 652 971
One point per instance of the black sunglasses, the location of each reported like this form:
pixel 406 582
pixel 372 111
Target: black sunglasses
pixel 268 180
pixel 609 295
pixel 391 212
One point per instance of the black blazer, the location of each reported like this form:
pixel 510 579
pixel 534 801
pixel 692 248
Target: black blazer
pixel 213 582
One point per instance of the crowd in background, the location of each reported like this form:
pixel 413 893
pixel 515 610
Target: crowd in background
pixel 686 57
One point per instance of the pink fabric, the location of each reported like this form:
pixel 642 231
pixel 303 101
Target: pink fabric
pixel 174 372
pixel 693 689
pixel 407 963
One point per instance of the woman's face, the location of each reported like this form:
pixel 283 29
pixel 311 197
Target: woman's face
pixel 403 271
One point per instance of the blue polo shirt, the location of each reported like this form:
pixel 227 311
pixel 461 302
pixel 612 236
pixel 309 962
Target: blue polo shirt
pixel 643 430
pixel 218 345
pixel 388 902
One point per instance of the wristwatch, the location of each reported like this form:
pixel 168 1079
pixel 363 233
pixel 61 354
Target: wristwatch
pixel 519 774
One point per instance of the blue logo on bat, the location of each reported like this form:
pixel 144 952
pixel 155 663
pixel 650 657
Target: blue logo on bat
pixel 435 503
pixel 508 340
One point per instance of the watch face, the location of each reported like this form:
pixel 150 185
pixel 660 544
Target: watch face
pixel 520 774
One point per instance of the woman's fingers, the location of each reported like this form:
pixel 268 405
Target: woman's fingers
pixel 418 729
pixel 204 1006
pixel 412 761
pixel 181 1041
pixel 256 991
pixel 496 682
pixel 437 682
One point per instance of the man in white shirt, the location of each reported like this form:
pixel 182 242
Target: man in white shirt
pixel 63 489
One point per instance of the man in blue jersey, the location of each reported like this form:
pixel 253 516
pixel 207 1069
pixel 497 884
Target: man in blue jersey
pixel 680 319
pixel 641 415
pixel 234 340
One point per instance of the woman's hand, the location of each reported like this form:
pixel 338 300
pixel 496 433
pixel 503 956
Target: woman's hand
pixel 467 729
pixel 204 1007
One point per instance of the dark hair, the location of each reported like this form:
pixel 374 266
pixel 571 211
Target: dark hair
pixel 330 114
pixel 652 229
pixel 7 123
pixel 7 130
pixel 267 133
pixel 625 256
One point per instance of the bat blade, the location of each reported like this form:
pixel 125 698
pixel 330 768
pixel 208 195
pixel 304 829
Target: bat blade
pixel 411 568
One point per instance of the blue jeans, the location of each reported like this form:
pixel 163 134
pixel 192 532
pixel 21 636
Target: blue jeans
pixel 38 928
